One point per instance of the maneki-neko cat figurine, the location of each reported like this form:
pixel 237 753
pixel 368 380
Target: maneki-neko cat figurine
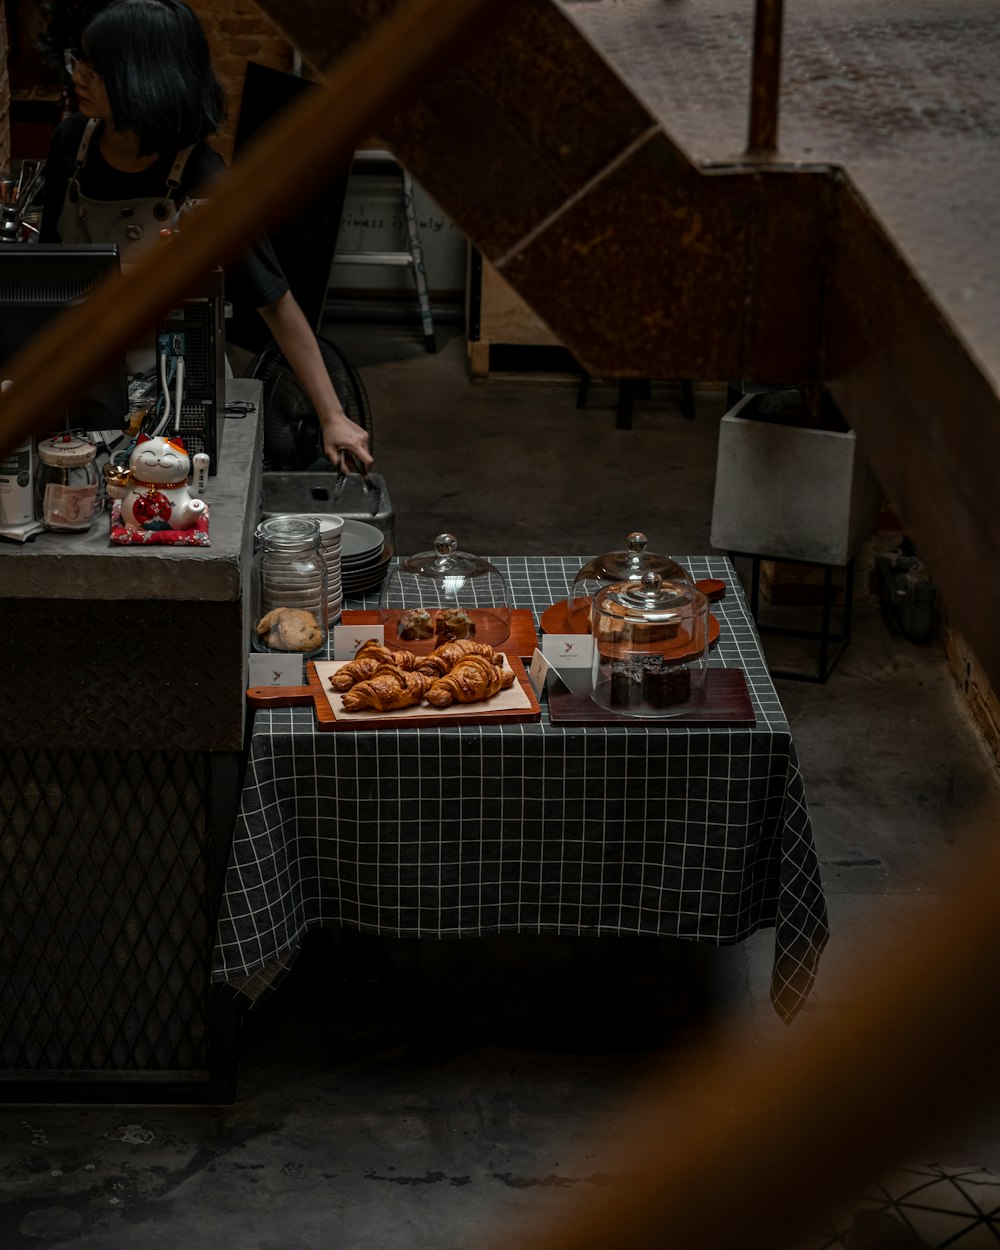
pixel 157 505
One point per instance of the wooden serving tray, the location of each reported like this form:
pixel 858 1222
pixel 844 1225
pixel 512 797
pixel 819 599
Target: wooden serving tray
pixel 558 620
pixel 726 702
pixel 517 705
pixel 522 641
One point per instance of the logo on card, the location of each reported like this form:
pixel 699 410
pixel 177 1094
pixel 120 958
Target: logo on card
pixel 568 650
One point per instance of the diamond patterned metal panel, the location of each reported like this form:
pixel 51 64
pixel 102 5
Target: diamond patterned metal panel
pixel 105 918
pixel 151 675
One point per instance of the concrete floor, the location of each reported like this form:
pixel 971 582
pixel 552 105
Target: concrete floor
pixel 377 1110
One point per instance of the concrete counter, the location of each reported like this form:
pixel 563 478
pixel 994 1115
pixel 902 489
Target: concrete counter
pixel 122 693
pixel 94 632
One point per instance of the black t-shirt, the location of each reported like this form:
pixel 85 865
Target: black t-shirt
pixel 255 280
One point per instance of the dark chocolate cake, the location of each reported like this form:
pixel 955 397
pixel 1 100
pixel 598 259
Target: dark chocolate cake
pixel 626 682
pixel 648 680
pixel 665 684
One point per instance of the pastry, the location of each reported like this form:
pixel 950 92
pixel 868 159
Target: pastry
pixel 665 684
pixel 626 683
pixel 415 624
pixel 473 678
pixel 444 658
pixel 452 624
pixel 290 629
pixel 366 660
pixel 387 690
pixel 648 681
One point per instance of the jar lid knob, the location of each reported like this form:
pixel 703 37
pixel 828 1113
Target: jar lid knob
pixel 445 544
pixel 636 541
pixel 651 582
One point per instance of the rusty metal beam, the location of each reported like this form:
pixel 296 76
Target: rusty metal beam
pixel 640 263
pixel 765 86
pixel 927 419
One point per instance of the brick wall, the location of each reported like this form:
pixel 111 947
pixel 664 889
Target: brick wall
pixel 238 31
pixel 4 94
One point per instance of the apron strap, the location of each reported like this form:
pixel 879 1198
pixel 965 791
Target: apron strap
pixel 166 206
pixel 73 187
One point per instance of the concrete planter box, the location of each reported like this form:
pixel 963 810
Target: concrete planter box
pixel 791 493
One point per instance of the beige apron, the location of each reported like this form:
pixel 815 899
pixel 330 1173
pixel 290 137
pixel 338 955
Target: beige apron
pixel 132 224
pixel 129 223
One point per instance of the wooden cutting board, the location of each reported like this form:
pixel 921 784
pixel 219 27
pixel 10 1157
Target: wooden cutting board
pixel 516 705
pixel 557 620
pixel 726 702
pixel 522 641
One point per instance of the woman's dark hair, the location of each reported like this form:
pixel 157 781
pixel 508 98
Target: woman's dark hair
pixel 154 61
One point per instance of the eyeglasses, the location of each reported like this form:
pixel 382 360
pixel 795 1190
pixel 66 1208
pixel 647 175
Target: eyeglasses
pixel 79 67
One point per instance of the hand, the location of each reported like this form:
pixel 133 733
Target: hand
pixel 341 434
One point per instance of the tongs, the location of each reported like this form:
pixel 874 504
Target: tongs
pixel 372 492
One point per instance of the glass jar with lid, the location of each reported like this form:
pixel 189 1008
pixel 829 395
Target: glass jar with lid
pixel 442 595
pixel 651 641
pixel 288 599
pixel 617 566
pixel 66 482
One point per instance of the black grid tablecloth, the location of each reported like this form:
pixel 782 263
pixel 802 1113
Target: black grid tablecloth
pixel 696 833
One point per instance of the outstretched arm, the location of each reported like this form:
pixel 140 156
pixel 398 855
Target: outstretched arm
pixel 294 336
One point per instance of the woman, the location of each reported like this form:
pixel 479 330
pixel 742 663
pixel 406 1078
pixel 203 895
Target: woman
pixel 124 168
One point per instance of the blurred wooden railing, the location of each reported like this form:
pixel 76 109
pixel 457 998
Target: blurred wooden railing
pixel 752 1153
pixel 316 134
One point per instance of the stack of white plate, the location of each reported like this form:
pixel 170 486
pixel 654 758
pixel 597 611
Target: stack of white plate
pixel 364 557
pixel 330 529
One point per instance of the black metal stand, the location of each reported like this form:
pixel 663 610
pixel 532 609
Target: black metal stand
pixel 831 644
pixel 631 389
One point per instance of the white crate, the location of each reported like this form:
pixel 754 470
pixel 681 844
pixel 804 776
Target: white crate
pixel 790 492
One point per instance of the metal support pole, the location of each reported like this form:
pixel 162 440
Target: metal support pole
pixel 765 86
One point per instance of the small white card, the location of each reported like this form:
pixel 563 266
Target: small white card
pixel 538 671
pixel 568 650
pixel 348 638
pixel 276 669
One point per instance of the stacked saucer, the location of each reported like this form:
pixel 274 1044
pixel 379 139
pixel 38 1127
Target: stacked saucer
pixel 364 557
pixel 330 529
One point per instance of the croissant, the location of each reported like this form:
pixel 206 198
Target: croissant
pixel 366 660
pixel 387 690
pixel 445 657
pixel 473 678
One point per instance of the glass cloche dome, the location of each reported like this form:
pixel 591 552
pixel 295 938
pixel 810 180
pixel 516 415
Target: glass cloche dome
pixel 441 595
pixel 617 566
pixel 651 641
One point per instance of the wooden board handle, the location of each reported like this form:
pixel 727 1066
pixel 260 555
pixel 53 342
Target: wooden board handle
pixel 712 589
pixel 280 696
